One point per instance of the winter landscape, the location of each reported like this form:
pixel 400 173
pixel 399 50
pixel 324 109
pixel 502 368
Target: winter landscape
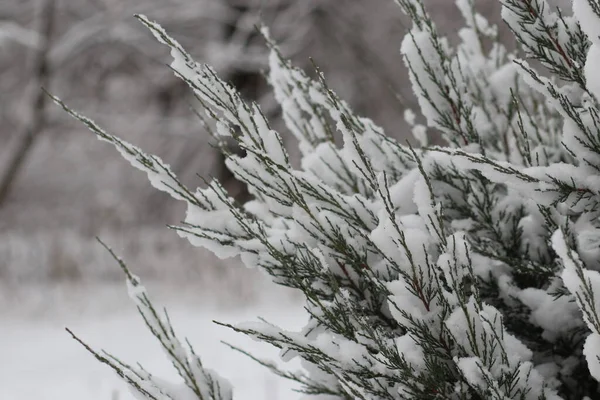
pixel 326 199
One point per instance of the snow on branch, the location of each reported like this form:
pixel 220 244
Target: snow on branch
pixel 428 273
pixel 199 382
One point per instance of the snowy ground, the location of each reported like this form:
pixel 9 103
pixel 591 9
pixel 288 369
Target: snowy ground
pixel 39 361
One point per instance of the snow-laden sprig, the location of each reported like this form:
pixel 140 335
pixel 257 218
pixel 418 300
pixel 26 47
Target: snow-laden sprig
pixel 315 114
pixel 306 121
pixel 495 363
pixel 558 184
pixel 159 173
pixel 472 92
pixel 199 382
pixel 212 204
pixel 550 37
pixel 464 92
pixel 585 286
pixel 426 56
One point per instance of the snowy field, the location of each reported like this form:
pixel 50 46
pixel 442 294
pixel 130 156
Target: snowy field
pixel 39 361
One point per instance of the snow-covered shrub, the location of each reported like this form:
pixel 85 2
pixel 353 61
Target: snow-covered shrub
pixel 468 271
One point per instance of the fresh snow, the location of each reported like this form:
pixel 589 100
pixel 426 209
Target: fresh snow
pixel 41 361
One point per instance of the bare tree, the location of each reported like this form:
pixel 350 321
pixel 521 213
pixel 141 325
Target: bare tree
pixel 40 73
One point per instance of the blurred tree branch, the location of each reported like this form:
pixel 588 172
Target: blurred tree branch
pixel 41 75
pixel 119 73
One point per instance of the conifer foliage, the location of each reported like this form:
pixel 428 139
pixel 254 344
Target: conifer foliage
pixel 468 271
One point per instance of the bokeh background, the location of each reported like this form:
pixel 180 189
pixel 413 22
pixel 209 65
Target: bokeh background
pixel 60 187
